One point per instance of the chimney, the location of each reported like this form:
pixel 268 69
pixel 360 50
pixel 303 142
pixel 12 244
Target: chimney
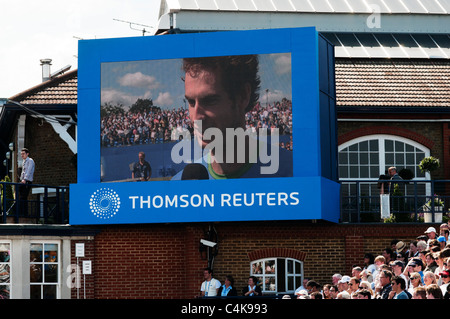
pixel 46 69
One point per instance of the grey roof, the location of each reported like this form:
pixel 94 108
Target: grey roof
pixel 325 6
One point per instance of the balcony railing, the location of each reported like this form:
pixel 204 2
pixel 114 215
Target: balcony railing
pixel 411 201
pixel 44 204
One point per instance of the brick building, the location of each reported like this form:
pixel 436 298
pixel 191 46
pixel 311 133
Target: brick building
pixel 387 99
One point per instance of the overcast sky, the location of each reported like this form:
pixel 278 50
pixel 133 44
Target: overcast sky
pixel 31 30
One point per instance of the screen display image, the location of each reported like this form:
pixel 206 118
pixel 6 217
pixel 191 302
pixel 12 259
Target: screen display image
pixel 197 118
pixel 201 127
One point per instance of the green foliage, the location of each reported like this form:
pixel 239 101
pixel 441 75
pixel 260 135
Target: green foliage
pixel 429 164
pixel 398 206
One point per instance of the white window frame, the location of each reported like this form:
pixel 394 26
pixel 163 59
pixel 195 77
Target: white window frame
pixel 8 242
pixel 275 275
pixel 381 150
pixel 43 263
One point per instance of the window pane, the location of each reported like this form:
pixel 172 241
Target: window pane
pixel 4 292
pixel 374 145
pixel 5 273
pixel 343 172
pixel 290 266
pixel 389 158
pixel 35 273
pixel 270 267
pixel 35 292
pixel 354 172
pixel 298 281
pixel 364 146
pixel 297 267
pixel 35 252
pixel 399 159
pixel 257 268
pixel 51 273
pixel 364 158
pixel 409 148
pixel 343 158
pixel 399 146
pixel 49 292
pixel 353 158
pixel 410 158
pixel 290 283
pixel 374 172
pixel 374 158
pixel 270 284
pixel 4 253
pixel 364 172
pixel 51 253
pixel 388 146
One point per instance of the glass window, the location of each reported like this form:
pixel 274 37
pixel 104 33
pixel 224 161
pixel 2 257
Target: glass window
pixel 359 162
pixel 5 270
pixel 277 275
pixel 44 270
pixel 369 157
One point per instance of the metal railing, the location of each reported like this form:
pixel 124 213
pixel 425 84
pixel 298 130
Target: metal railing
pixel 410 201
pixel 44 204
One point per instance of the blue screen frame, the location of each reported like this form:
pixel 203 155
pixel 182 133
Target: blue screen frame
pixel 313 189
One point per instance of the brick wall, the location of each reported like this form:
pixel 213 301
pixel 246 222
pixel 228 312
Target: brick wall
pixel 52 156
pixel 163 261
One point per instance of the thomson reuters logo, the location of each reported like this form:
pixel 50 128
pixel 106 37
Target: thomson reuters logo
pixel 104 203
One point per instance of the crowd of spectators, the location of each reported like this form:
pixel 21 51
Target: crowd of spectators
pixel 420 270
pixel 155 125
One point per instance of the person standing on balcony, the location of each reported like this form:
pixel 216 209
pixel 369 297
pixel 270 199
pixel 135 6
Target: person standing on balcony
pixel 392 171
pixel 26 178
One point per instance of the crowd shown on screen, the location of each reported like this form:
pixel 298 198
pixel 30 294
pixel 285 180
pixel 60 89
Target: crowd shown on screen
pixel 162 126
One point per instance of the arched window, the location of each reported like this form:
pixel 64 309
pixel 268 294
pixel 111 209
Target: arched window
pixel 277 275
pixel 364 159
pixel 368 157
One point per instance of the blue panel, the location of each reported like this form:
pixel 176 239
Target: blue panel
pixel 312 134
pixel 203 201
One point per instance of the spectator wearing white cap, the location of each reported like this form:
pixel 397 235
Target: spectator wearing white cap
pixel 431 232
pixel 343 283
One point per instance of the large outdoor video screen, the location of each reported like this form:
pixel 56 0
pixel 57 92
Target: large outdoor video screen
pixel 230 114
pixel 220 126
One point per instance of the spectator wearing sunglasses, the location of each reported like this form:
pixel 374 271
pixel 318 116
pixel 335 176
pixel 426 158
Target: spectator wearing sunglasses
pixel 445 276
pixel 398 288
pixel 415 265
pixel 333 291
pixel 415 281
pixel 365 285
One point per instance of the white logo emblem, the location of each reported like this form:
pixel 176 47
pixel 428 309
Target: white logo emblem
pixel 104 203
